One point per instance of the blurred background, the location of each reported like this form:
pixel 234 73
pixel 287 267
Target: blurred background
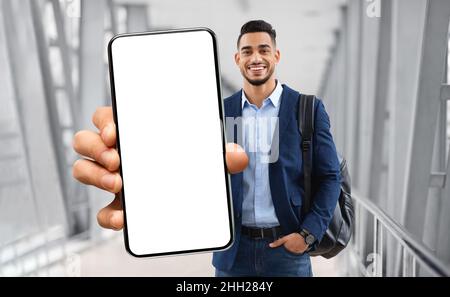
pixel 381 68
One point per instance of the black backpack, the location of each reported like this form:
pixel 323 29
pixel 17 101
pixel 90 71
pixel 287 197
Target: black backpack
pixel 340 229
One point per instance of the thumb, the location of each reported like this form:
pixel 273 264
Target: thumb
pixel 278 242
pixel 236 158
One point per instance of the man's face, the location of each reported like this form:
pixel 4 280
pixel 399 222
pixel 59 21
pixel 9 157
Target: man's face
pixel 257 57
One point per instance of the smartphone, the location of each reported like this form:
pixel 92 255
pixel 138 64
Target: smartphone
pixel 168 110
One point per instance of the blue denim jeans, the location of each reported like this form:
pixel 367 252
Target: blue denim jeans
pixel 256 258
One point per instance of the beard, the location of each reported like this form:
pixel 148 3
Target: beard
pixel 258 82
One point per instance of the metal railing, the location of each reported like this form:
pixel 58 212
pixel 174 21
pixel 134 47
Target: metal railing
pixel 410 254
pixel 34 253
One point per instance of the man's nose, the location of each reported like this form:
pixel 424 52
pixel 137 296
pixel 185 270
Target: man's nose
pixel 256 58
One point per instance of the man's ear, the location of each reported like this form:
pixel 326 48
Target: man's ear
pixel 237 58
pixel 277 55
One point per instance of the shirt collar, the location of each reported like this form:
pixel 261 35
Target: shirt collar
pixel 274 97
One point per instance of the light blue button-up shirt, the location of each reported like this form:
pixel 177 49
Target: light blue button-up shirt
pixel 258 130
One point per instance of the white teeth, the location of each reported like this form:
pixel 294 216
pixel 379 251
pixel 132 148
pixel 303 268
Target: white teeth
pixel 256 68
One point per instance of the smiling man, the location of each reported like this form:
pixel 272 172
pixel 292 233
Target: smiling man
pixel 267 196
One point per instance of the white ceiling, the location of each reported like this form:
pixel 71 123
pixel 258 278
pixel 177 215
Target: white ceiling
pixel 304 31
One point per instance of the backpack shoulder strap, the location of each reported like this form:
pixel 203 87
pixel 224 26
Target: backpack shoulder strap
pixel 306 123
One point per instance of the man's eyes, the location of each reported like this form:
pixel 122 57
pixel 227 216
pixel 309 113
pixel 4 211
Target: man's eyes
pixel 264 51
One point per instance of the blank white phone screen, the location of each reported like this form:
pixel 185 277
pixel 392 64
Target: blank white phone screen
pixel 168 112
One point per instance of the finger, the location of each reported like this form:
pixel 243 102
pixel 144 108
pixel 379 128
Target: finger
pixel 103 119
pixel 89 144
pixel 278 242
pixel 90 173
pixel 111 216
pixel 236 158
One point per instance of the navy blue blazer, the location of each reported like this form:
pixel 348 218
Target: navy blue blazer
pixel 286 174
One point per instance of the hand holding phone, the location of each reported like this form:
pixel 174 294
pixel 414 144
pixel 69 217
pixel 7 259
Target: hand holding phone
pixel 168 112
pixel 103 171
